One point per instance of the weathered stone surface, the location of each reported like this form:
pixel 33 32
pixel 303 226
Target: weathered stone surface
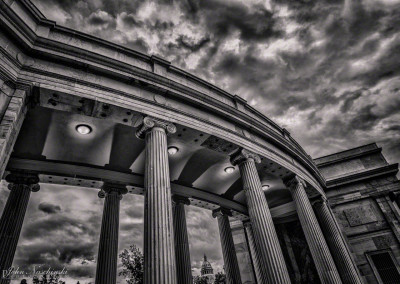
pixel 347 269
pixel 10 126
pixel 273 263
pixel 363 209
pixel 107 257
pixel 319 249
pixel 242 252
pixel 228 247
pixel 11 221
pixel 182 253
pixel 256 259
pixel 360 215
pixel 160 263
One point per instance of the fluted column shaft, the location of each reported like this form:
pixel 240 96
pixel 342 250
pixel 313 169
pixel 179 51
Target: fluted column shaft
pixel 347 269
pixel 13 217
pixel 254 252
pixel 273 262
pixel 182 254
pixel 319 249
pixel 159 250
pixel 106 271
pixel 228 247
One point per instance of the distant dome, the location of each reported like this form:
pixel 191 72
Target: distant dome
pixel 206 267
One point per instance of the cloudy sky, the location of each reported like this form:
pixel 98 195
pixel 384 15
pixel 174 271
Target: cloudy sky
pixel 62 228
pixel 328 71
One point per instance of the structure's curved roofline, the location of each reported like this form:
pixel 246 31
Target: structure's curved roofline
pixel 44 38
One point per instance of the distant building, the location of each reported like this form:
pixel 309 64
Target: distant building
pixel 207 270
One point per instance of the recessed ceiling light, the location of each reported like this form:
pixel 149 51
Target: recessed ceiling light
pixel 83 129
pixel 172 150
pixel 229 170
pixel 265 186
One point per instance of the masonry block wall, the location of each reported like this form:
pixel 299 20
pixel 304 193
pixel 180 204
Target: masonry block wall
pixel 362 189
pixel 242 253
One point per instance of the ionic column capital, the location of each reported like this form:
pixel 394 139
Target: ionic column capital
pixel 293 182
pixel 146 123
pixel 243 155
pixel 29 180
pixel 112 188
pixel 178 199
pixel 319 201
pixel 221 212
pixel 247 224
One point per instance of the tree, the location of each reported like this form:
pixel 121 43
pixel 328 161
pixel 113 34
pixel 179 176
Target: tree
pixel 133 265
pixel 220 278
pixel 200 280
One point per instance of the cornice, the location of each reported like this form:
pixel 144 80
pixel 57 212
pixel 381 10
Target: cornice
pixel 385 170
pixel 36 45
pixel 349 157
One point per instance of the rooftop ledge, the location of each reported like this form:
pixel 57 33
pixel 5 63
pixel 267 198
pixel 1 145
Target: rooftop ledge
pixel 40 35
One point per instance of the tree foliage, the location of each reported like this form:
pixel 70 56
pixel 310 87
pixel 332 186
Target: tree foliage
pixel 44 279
pixel 133 265
pixel 200 280
pixel 220 278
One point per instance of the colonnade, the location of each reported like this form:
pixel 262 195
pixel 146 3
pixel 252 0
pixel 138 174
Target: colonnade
pixel 166 248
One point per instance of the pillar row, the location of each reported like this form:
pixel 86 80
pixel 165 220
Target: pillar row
pixel 228 247
pixel 272 260
pixel 341 254
pixel 159 249
pixel 107 258
pixel 319 249
pixel 20 185
pixel 182 254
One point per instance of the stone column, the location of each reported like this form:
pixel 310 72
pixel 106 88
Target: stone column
pixel 6 93
pixel 21 185
pixel 11 124
pixel 347 269
pixel 319 249
pixel 228 247
pixel 182 254
pixel 106 271
pixel 254 252
pixel 159 251
pixel 272 261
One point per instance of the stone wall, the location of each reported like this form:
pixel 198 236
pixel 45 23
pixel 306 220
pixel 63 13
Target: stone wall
pixel 242 253
pixel 367 216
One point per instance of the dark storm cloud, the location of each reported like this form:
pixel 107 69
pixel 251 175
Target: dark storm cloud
pixel 96 20
pixel 222 18
pixel 193 47
pixel 49 208
pixel 327 70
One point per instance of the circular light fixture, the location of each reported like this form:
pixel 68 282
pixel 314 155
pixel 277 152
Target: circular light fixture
pixel 173 150
pixel 229 170
pixel 83 129
pixel 265 186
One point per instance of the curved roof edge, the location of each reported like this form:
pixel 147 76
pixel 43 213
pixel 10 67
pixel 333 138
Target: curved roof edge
pixel 38 32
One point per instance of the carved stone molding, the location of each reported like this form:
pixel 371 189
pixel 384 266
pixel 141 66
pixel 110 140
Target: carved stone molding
pixel 243 155
pixel 21 178
pixel 247 223
pixel 221 212
pixel 177 199
pixel 145 124
pixel 319 201
pixel 294 181
pixel 109 187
